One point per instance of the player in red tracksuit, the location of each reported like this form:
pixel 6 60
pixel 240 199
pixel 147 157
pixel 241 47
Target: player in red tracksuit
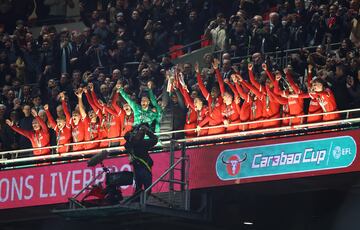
pixel 285 105
pixel 294 105
pixel 251 109
pixel 229 110
pixel 324 96
pixel 39 136
pixel 196 113
pixel 62 130
pixel 214 100
pixel 314 106
pixel 271 108
pixel 76 123
pixel 111 120
pixel 126 116
pixel 101 114
pixel 91 123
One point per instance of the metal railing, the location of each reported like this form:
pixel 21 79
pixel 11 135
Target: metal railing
pixel 282 56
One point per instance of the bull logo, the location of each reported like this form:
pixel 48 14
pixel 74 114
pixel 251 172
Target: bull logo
pixel 233 164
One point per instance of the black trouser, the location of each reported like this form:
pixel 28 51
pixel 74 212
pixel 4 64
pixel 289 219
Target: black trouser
pixel 143 177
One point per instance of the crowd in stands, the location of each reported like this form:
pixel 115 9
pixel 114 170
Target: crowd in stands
pixel 64 86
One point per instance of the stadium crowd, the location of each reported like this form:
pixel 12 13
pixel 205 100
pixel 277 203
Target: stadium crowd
pixel 72 86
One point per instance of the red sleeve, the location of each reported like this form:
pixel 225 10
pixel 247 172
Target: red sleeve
pixel 253 81
pixel 91 102
pixel 253 89
pixel 236 94
pixel 114 103
pixel 43 125
pixel 205 121
pixel 25 133
pixel 95 100
pixel 292 83
pixel 277 98
pixel 188 101
pixel 241 92
pixel 202 87
pixel 325 93
pixel 277 88
pixel 93 106
pixel 238 108
pixel 244 113
pixel 270 76
pixel 66 112
pixel 309 79
pixel 220 81
pixel 111 111
pixel 51 119
pixel 305 95
pixel 86 121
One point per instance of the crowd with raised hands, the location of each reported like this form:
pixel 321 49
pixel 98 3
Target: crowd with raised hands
pixel 249 102
pixel 232 105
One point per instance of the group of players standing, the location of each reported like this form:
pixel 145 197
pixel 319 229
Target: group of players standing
pixel 226 110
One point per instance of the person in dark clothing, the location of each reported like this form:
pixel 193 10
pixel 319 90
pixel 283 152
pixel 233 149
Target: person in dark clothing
pixel 137 147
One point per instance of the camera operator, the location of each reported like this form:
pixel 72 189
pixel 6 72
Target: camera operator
pixel 137 148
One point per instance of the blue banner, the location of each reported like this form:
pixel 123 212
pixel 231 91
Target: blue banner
pixel 286 158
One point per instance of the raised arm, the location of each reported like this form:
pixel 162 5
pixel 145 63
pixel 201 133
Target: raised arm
pixel 232 87
pixel 95 99
pixel 110 110
pixel 97 111
pixel 241 92
pixel 252 77
pixel 268 73
pixel 114 100
pixel 202 87
pixel 219 78
pixel 25 133
pixel 66 111
pixel 134 106
pixel 290 79
pixel 41 122
pixel 187 99
pixel 91 101
pixel 49 116
pixel 277 98
pixel 79 93
pixel 252 89
pixel 309 76
pixel 276 84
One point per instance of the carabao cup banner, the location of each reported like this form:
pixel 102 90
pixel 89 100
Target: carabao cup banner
pixel 210 166
pixel 285 158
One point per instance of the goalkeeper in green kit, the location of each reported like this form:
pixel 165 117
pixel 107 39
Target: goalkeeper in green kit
pixel 143 113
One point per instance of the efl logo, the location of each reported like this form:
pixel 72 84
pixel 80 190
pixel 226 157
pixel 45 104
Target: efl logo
pixel 339 152
pixel 233 164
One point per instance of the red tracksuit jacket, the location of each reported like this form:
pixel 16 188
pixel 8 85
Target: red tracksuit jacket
pixel 40 138
pixel 62 136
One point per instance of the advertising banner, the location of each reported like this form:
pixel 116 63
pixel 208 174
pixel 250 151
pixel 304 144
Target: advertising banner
pixel 286 158
pixel 210 166
pixel 56 183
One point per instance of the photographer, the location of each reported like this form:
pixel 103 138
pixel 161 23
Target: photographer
pixel 137 147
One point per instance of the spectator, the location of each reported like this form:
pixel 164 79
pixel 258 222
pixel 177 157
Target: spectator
pixel 218 34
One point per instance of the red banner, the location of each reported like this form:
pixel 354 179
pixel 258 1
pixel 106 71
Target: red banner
pixel 56 183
